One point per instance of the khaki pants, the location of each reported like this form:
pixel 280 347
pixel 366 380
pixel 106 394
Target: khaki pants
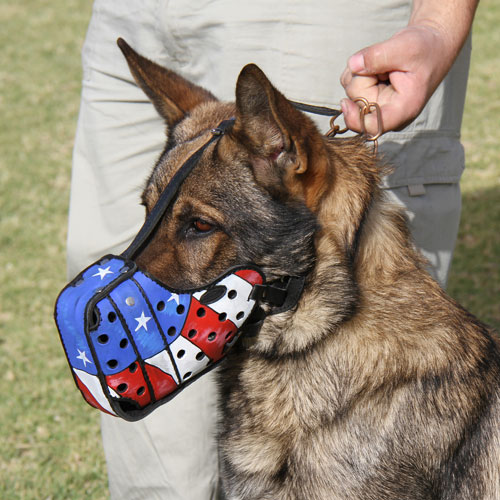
pixel 171 454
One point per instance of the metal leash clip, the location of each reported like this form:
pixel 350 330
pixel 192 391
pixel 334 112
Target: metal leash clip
pixel 364 110
pixel 334 128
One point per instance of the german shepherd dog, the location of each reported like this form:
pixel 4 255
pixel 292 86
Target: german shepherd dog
pixel 376 385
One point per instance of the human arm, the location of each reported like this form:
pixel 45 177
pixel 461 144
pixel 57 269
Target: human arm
pixel 401 73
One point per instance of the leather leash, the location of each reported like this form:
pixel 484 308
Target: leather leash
pixel 366 108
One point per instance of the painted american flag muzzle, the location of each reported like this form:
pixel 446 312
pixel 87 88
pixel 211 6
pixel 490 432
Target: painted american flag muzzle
pixel 133 343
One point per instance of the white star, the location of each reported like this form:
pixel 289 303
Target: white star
pixel 83 357
pixel 142 321
pixel 175 297
pixel 102 272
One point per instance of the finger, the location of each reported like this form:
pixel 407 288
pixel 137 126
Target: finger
pixel 346 77
pixel 362 86
pixel 363 123
pixel 351 115
pixel 365 87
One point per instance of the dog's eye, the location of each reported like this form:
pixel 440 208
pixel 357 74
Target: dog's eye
pixel 202 226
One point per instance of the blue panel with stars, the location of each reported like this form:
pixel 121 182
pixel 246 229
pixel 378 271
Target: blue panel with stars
pixel 71 304
pixel 139 318
pixel 170 308
pixel 111 343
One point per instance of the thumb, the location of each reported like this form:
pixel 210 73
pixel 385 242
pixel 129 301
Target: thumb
pixel 378 59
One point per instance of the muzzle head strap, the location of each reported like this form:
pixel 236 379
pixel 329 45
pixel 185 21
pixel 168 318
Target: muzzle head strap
pixel 170 191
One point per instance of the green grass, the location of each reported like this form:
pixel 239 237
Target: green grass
pixel 49 439
pixel 475 273
pixel 49 443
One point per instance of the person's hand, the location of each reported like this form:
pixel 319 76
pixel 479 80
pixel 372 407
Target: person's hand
pixel 400 75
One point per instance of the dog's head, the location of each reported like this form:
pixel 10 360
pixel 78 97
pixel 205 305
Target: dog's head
pixel 271 191
pixel 261 194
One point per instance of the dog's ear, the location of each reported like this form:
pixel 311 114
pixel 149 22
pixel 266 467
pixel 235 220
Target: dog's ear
pixel 172 95
pixel 287 148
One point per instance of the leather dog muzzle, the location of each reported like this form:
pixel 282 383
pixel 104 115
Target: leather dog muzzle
pixel 133 343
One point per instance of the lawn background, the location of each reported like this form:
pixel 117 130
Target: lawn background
pixel 49 438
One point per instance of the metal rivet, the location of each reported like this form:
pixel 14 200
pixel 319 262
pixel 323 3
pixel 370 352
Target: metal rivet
pixel 130 301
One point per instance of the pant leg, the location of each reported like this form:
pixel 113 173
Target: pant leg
pixel 172 453
pixel 434 214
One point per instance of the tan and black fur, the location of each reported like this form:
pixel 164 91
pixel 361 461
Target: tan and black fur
pixel 377 385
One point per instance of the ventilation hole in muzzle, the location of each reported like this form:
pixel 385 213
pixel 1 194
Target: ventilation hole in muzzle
pixel 171 331
pixel 180 309
pixel 112 317
pixel 201 312
pixel 240 315
pixel 187 375
pixel 112 363
pixel 200 356
pixel 123 343
pixel 228 335
pixel 122 388
pixel 192 333
pixel 160 306
pixel 132 368
pixel 181 353
pixel 141 391
pixel 232 294
pixel 222 317
pixel 103 339
pixel 211 336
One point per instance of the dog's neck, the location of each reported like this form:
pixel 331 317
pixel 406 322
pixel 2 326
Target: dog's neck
pixel 363 247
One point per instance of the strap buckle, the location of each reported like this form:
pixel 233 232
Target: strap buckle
pixel 281 295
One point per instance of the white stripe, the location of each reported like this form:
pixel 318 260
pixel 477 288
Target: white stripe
pixel 164 363
pixel 91 382
pixel 231 307
pixel 184 353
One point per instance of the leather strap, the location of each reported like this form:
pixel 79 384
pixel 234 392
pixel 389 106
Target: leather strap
pixel 281 295
pixel 170 191
pixel 316 110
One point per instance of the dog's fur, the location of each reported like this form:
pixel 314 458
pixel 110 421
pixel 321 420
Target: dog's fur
pixel 377 385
